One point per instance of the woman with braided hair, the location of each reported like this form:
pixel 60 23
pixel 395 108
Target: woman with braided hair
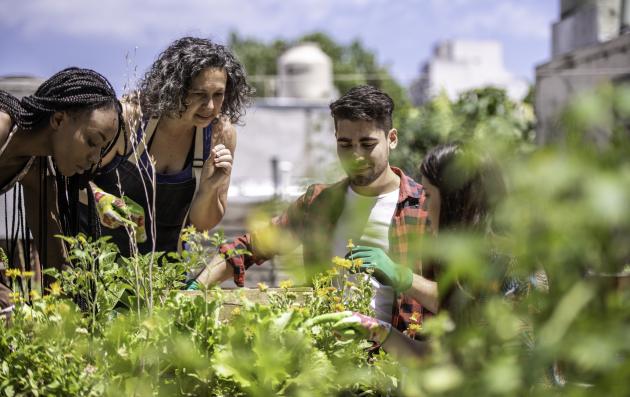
pixel 180 135
pixel 64 128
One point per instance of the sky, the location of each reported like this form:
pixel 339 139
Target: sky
pixel 120 38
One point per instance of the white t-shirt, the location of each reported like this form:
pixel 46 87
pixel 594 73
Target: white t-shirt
pixel 366 220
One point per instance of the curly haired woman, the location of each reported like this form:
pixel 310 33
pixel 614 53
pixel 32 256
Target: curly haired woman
pixel 177 159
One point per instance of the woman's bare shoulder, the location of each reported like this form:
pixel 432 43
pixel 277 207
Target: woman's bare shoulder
pixel 5 127
pixel 225 133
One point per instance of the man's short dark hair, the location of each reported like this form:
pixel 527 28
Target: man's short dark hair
pixel 366 103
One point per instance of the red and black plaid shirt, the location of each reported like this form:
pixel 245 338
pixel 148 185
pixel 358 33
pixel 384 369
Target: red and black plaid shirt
pixel 311 219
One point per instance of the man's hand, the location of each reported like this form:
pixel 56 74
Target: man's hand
pixel 385 270
pixel 215 272
pixel 114 212
pixel 350 325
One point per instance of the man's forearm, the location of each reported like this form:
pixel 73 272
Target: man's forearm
pixel 403 347
pixel 425 292
pixel 216 272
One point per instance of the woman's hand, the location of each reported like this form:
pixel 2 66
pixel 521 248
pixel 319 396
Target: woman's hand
pixel 114 212
pixel 350 325
pixel 218 166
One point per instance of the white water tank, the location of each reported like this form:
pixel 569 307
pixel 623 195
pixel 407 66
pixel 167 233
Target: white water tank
pixel 305 71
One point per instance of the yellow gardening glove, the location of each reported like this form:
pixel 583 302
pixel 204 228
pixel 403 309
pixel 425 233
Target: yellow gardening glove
pixel 114 212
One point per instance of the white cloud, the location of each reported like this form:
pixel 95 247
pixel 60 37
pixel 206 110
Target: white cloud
pixel 141 21
pixel 146 20
pixel 400 31
pixel 515 18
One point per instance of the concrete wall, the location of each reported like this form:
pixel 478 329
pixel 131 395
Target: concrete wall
pixel 461 65
pixel 584 23
pixel 299 134
pixel 561 79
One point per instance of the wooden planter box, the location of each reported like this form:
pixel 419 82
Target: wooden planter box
pixel 234 297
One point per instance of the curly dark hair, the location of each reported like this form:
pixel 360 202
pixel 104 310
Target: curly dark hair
pixel 364 102
pixel 166 84
pixel 470 185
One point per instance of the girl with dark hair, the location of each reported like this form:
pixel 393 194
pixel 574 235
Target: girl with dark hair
pixel 182 139
pixel 66 128
pixel 461 187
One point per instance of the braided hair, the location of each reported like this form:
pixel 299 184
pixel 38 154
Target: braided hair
pixel 73 90
pixel 70 89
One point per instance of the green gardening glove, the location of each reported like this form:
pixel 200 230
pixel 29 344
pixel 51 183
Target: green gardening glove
pixel 385 270
pixel 353 325
pixel 193 286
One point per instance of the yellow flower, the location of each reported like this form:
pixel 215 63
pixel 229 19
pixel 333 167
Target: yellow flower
pixel 414 328
pixel 13 273
pixel 236 311
pixel 349 284
pixel 337 260
pixel 322 292
pixel 333 272
pixel 34 295
pixel 286 284
pixel 350 244
pixel 336 299
pixel 15 297
pixel 341 262
pixel 55 288
pixel 263 287
pixel 338 307
pixel 28 274
pixel 415 317
pixel 331 289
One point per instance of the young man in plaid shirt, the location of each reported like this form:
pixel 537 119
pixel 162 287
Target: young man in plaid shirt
pixel 377 206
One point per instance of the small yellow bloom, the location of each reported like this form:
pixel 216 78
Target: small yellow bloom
pixel 286 284
pixel 263 287
pixel 338 307
pixel 322 292
pixel 28 274
pixel 236 311
pixel 55 288
pixel 350 244
pixel 357 262
pixel 337 260
pixel 13 273
pixel 336 299
pixel 15 297
pixel 331 289
pixel 34 295
pixel 414 328
pixel 415 317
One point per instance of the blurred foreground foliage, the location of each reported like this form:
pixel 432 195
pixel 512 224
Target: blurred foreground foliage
pixel 566 213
